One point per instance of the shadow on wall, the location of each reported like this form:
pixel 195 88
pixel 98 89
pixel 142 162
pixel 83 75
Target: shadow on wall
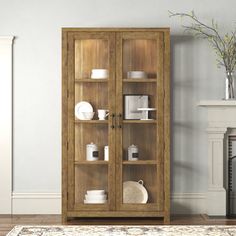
pixel 184 113
pixel 175 41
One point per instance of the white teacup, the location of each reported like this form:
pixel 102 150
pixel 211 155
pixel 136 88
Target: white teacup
pixel 102 114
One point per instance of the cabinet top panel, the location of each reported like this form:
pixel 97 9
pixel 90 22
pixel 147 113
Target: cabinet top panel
pixel 167 29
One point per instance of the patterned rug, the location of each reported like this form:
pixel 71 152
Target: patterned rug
pixel 123 230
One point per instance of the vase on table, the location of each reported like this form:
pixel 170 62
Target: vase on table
pixel 229 86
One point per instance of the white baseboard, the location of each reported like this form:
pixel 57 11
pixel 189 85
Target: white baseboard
pixel 188 203
pixel 50 203
pixel 36 203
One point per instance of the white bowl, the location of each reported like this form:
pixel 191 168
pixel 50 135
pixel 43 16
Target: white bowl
pixel 99 74
pixel 95 197
pixel 95 202
pixel 87 115
pixel 136 74
pixel 95 192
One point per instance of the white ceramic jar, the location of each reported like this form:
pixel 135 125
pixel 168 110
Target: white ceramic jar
pixel 106 153
pixel 91 152
pixel 132 153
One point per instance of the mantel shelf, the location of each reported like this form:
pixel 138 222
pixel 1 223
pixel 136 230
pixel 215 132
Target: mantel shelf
pixel 217 103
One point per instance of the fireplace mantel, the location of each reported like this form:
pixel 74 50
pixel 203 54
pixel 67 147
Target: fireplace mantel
pixel 221 118
pixel 217 103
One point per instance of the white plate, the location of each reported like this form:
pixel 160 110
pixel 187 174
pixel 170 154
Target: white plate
pixel 134 192
pixel 82 107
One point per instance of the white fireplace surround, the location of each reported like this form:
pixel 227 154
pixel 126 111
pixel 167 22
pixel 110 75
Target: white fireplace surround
pixel 221 121
pixel 6 43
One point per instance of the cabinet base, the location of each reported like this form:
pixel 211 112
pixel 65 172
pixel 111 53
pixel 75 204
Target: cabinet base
pixel 127 217
pixel 114 214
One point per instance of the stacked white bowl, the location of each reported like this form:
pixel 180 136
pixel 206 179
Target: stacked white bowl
pixel 95 197
pixel 99 74
pixel 136 74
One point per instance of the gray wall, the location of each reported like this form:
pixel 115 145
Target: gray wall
pixel 37 80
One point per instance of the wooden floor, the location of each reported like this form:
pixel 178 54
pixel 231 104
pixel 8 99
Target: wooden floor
pixel 7 222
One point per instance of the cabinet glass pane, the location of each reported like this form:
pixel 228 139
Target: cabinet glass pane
pixel 90 54
pixel 144 137
pixel 94 93
pixel 140 130
pixel 140 89
pixel 90 133
pixel 140 55
pixel 91 171
pixel 87 177
pixel 145 173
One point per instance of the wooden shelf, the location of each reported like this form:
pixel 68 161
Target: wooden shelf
pixel 139 80
pixel 139 121
pixel 91 162
pixel 91 121
pixel 140 162
pixel 91 80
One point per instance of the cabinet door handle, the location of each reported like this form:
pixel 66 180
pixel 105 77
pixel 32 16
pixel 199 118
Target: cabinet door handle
pixel 112 121
pixel 119 120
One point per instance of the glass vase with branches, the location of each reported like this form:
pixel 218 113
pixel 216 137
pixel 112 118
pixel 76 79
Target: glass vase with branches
pixel 223 45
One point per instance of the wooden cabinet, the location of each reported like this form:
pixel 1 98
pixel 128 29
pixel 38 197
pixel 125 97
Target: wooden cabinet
pixel 119 51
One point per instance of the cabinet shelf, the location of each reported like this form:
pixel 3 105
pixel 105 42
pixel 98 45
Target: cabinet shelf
pixel 91 162
pixel 139 121
pixel 88 80
pixel 139 80
pixel 140 162
pixel 91 121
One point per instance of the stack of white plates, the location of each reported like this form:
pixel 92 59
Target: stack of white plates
pixel 99 74
pixel 95 197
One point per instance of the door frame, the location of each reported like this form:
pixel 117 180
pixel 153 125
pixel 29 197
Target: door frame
pixel 6 56
pixel 68 129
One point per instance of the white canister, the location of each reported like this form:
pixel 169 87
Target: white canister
pixel 106 153
pixel 132 153
pixel 91 152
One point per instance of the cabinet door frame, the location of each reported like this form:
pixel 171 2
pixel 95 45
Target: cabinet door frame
pixel 68 163
pixel 159 37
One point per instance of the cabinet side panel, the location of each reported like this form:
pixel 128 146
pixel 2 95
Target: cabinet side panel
pixel 167 125
pixel 160 120
pixel 64 125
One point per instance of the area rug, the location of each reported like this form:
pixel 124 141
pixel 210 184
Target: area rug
pixel 123 230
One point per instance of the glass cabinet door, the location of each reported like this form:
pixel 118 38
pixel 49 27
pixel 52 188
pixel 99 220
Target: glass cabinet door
pixel 91 138
pixel 140 97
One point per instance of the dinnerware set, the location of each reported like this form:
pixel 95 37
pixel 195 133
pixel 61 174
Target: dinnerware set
pixel 95 197
pixel 84 111
pixel 133 191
